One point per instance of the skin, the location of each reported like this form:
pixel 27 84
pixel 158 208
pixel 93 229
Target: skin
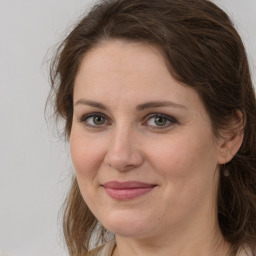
pixel 180 156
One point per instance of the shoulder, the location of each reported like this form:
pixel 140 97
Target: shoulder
pixel 103 250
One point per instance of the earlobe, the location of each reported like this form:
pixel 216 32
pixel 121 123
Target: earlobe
pixel 231 140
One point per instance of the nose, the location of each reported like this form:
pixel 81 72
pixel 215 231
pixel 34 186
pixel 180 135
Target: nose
pixel 123 153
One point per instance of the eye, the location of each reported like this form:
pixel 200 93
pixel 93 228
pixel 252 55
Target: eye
pixel 94 120
pixel 160 121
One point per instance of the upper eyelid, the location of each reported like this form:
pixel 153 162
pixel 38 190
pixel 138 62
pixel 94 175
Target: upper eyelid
pixel 152 114
pixel 94 114
pixel 167 117
pixel 161 115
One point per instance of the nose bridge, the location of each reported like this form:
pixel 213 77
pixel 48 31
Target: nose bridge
pixel 120 136
pixel 123 152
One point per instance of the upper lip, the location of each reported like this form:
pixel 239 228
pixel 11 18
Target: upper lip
pixel 127 184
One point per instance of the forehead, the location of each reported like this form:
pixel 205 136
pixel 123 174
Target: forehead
pixel 120 70
pixel 120 57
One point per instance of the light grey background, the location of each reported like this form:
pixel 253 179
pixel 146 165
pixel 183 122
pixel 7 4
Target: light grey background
pixel 35 166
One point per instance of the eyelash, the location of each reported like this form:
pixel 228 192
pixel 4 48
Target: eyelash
pixel 85 118
pixel 166 118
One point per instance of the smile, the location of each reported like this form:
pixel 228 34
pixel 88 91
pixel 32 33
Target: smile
pixel 127 190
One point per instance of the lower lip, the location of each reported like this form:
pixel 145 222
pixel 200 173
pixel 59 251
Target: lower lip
pixel 127 194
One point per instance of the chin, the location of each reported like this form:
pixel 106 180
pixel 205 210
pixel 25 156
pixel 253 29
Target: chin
pixel 128 225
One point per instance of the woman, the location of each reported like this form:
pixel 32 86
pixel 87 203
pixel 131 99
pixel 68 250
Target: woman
pixel 159 109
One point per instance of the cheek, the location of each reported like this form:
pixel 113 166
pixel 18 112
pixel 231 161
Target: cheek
pixel 86 156
pixel 184 156
pixel 187 167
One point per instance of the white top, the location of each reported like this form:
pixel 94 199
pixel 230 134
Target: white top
pixel 107 249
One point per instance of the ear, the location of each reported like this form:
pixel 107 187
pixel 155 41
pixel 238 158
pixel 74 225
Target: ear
pixel 231 138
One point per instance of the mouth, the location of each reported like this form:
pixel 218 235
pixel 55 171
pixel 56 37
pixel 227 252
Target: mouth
pixel 127 190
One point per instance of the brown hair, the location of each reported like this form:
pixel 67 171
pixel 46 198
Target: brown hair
pixel 203 50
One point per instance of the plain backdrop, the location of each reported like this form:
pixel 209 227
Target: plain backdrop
pixel 34 164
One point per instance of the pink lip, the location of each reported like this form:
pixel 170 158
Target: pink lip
pixel 127 190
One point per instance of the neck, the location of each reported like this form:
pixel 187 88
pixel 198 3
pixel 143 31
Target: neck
pixel 202 242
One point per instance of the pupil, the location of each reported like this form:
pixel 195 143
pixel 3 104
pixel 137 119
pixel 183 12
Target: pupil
pixel 98 120
pixel 160 121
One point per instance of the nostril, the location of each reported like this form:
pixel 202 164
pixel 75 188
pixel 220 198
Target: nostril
pixel 122 153
pixel 124 162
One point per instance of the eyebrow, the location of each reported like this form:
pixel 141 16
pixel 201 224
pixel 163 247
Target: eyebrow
pixel 90 103
pixel 158 104
pixel 141 107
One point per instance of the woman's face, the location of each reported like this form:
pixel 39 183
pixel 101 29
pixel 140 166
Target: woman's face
pixel 144 153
